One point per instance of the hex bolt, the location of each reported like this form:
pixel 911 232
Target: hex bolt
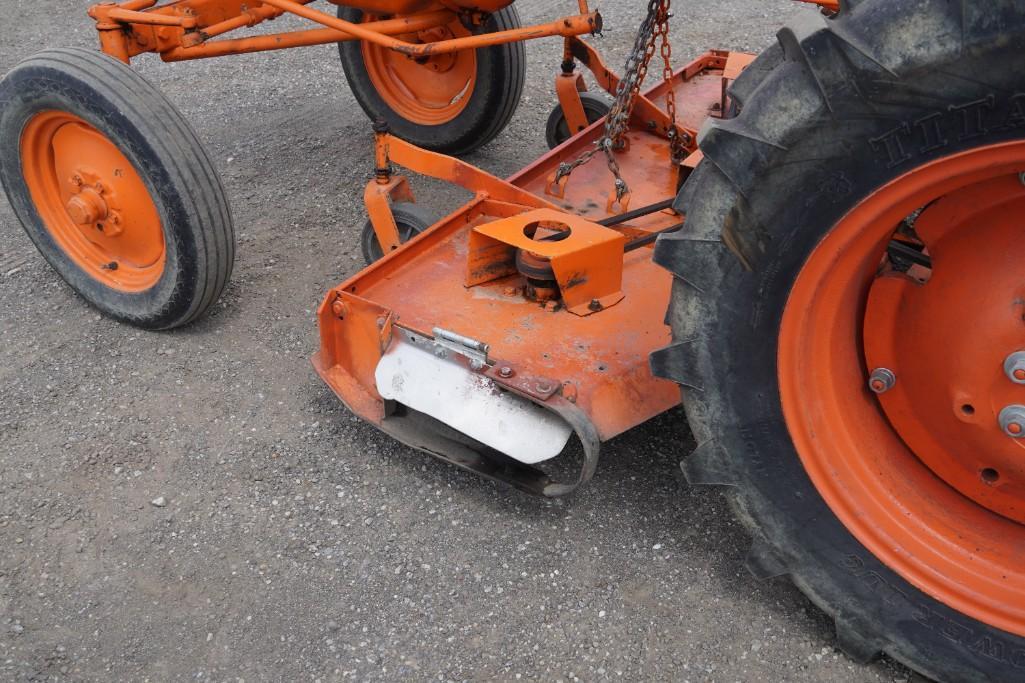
pixel 543 387
pixel 881 380
pixel 505 371
pixel 1014 367
pixel 1012 421
pixel 338 308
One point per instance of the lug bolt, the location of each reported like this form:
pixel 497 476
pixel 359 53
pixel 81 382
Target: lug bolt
pixel 505 371
pixel 881 380
pixel 1014 367
pixel 1012 421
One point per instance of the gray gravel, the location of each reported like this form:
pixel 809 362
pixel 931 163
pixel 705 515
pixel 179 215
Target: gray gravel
pixel 197 504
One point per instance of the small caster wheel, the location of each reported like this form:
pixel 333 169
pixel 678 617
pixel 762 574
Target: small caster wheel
pixel 410 219
pixel 557 130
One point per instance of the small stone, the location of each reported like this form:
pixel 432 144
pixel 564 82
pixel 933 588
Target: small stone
pixel 158 502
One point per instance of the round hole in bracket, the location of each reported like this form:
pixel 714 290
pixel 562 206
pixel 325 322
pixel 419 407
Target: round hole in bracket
pixel 989 475
pixel 547 231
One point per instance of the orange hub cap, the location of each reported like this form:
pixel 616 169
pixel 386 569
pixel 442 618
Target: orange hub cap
pixel 92 201
pixel 900 383
pixel 429 91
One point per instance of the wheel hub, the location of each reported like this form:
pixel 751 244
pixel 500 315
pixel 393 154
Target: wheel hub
pixel 87 207
pixel 429 90
pixel 948 336
pixel 93 202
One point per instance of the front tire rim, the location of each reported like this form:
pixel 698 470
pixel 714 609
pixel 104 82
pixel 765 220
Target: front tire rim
pixel 92 202
pixel 428 91
pixel 924 474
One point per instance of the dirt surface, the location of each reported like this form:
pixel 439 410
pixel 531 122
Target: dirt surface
pixel 296 543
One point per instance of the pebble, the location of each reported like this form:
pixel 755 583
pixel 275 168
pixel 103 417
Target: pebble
pixel 158 502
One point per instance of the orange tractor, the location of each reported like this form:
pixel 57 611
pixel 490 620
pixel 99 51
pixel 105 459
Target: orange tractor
pixel 818 245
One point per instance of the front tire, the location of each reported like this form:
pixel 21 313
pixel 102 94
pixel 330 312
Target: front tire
pixel 890 122
pixel 453 103
pixel 114 188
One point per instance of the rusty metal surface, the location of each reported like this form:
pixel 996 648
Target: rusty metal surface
pixel 595 363
pixel 180 30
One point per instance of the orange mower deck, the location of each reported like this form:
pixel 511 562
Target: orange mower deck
pixel 456 295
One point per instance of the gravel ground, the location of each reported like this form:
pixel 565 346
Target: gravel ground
pixel 294 542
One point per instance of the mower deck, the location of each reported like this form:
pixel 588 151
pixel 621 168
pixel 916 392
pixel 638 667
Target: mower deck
pixel 449 298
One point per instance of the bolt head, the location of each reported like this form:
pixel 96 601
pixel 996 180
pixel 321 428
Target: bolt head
pixel 1012 421
pixel 505 371
pixel 881 380
pixel 1014 367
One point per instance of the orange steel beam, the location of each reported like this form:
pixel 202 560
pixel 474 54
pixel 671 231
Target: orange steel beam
pixel 281 41
pixel 567 26
pixel 457 172
pixel 128 16
pixel 831 5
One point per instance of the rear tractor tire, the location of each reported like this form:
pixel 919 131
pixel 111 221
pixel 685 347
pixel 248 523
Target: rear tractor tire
pixel 847 316
pixel 114 188
pixel 450 103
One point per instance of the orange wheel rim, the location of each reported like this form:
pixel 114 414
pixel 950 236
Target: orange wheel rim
pixel 429 91
pixel 896 375
pixel 92 201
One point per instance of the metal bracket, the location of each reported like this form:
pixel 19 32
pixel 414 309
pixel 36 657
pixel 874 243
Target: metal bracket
pixel 473 350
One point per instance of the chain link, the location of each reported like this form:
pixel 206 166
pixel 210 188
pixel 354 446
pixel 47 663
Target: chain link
pixel 655 25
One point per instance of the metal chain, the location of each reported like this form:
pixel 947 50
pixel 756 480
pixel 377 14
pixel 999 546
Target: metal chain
pixel 655 24
pixel 676 149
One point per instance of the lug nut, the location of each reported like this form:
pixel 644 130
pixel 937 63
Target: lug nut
pixel 1014 367
pixel 1012 421
pixel 881 380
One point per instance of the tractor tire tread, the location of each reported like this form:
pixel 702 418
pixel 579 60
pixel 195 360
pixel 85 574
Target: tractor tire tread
pixel 817 68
